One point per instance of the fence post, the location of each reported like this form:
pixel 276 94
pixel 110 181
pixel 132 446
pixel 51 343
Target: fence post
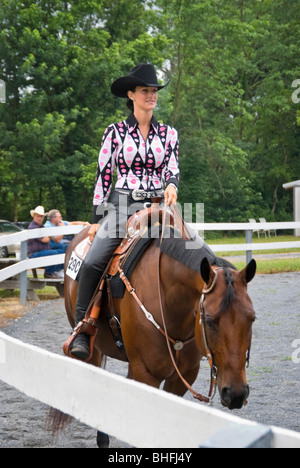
pixel 249 236
pixel 23 275
pixel 239 435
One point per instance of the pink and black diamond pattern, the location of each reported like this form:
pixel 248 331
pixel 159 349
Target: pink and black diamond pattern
pixel 140 164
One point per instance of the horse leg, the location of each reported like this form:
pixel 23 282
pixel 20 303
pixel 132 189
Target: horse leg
pixel 139 372
pixel 175 385
pixel 130 373
pixel 97 358
pixel 102 440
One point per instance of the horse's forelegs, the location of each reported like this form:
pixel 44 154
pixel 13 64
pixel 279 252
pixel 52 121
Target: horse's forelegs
pixel 176 386
pixel 97 358
pixel 102 440
pixel 139 373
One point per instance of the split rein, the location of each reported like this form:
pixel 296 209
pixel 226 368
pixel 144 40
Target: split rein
pixel 178 345
pixel 214 371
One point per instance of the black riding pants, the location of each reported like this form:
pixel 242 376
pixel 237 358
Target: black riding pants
pixel 108 238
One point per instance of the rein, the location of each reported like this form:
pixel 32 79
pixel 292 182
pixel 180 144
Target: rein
pixel 178 345
pixel 214 371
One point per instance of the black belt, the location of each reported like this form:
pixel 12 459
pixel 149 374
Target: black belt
pixel 140 195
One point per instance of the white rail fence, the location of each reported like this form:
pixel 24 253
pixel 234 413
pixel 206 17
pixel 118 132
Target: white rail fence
pixel 132 412
pixel 25 263
pixel 249 229
pixel 21 267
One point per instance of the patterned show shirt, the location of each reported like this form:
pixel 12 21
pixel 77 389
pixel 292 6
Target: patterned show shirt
pixel 140 164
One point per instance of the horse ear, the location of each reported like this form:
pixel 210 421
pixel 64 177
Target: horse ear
pixel 249 272
pixel 205 270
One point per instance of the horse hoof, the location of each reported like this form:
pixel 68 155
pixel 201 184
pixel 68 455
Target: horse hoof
pixel 102 440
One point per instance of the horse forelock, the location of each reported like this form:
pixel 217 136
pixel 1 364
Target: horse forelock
pixel 228 299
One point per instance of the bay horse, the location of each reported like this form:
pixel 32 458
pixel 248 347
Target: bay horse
pixel 173 278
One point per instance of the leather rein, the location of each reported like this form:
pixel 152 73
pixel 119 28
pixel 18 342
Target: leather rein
pixel 178 345
pixel 214 371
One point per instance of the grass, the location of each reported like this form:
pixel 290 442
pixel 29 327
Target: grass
pixel 256 240
pixel 269 267
pixel 265 266
pixel 47 293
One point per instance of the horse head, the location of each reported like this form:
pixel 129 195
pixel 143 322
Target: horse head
pixel 224 328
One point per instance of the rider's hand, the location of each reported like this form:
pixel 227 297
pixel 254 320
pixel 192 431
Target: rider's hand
pixel 92 232
pixel 170 195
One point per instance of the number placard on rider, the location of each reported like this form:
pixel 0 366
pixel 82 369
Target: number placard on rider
pixel 74 266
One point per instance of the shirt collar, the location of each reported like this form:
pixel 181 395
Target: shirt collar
pixel 132 123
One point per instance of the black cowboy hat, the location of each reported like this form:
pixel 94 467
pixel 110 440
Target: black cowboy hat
pixel 142 74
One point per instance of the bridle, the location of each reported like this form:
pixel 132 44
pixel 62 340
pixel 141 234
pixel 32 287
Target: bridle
pixel 213 368
pixel 178 345
pixel 209 355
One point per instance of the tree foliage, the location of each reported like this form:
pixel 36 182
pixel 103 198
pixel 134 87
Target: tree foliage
pixel 231 63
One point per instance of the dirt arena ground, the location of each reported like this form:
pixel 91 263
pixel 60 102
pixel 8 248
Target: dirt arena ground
pixel 274 374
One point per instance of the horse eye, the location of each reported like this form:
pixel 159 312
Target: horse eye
pixel 210 323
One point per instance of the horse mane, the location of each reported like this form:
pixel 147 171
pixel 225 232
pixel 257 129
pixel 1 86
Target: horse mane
pixel 191 253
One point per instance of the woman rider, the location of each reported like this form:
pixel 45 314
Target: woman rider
pixel 145 154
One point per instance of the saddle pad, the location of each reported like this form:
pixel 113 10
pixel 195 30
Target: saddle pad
pixel 117 285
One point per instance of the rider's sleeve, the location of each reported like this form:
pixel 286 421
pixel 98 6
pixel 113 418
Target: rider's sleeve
pixel 172 173
pixel 105 169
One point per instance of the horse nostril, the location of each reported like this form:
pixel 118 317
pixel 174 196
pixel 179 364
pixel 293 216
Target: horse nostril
pixel 232 399
pixel 226 397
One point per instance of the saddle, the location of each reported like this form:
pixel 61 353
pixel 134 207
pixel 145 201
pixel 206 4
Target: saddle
pixel 141 225
pixel 142 228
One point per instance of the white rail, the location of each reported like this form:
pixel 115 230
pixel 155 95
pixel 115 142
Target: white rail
pixel 26 234
pixel 25 263
pixel 249 229
pixel 134 413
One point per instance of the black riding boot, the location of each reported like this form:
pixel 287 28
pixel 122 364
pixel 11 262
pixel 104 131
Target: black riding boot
pixel 86 288
pixel 105 243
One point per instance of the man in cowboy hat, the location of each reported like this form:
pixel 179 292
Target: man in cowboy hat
pixel 41 247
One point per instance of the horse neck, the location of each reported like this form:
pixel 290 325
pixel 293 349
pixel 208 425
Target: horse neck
pixel 181 288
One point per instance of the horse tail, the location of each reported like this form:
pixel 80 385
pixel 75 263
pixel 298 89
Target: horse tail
pixel 57 421
pixel 103 361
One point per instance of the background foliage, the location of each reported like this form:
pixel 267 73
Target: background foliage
pixel 232 64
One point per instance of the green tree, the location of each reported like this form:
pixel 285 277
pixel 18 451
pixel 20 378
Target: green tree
pixel 58 60
pixel 233 64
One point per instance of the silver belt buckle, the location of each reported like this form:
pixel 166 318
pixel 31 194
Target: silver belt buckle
pixel 160 193
pixel 138 195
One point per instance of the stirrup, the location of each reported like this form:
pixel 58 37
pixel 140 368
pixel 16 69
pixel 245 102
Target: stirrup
pixel 89 327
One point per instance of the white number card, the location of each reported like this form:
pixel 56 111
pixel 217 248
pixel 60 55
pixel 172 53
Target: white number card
pixel 74 266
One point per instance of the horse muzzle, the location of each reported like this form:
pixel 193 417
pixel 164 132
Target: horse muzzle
pixel 233 399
